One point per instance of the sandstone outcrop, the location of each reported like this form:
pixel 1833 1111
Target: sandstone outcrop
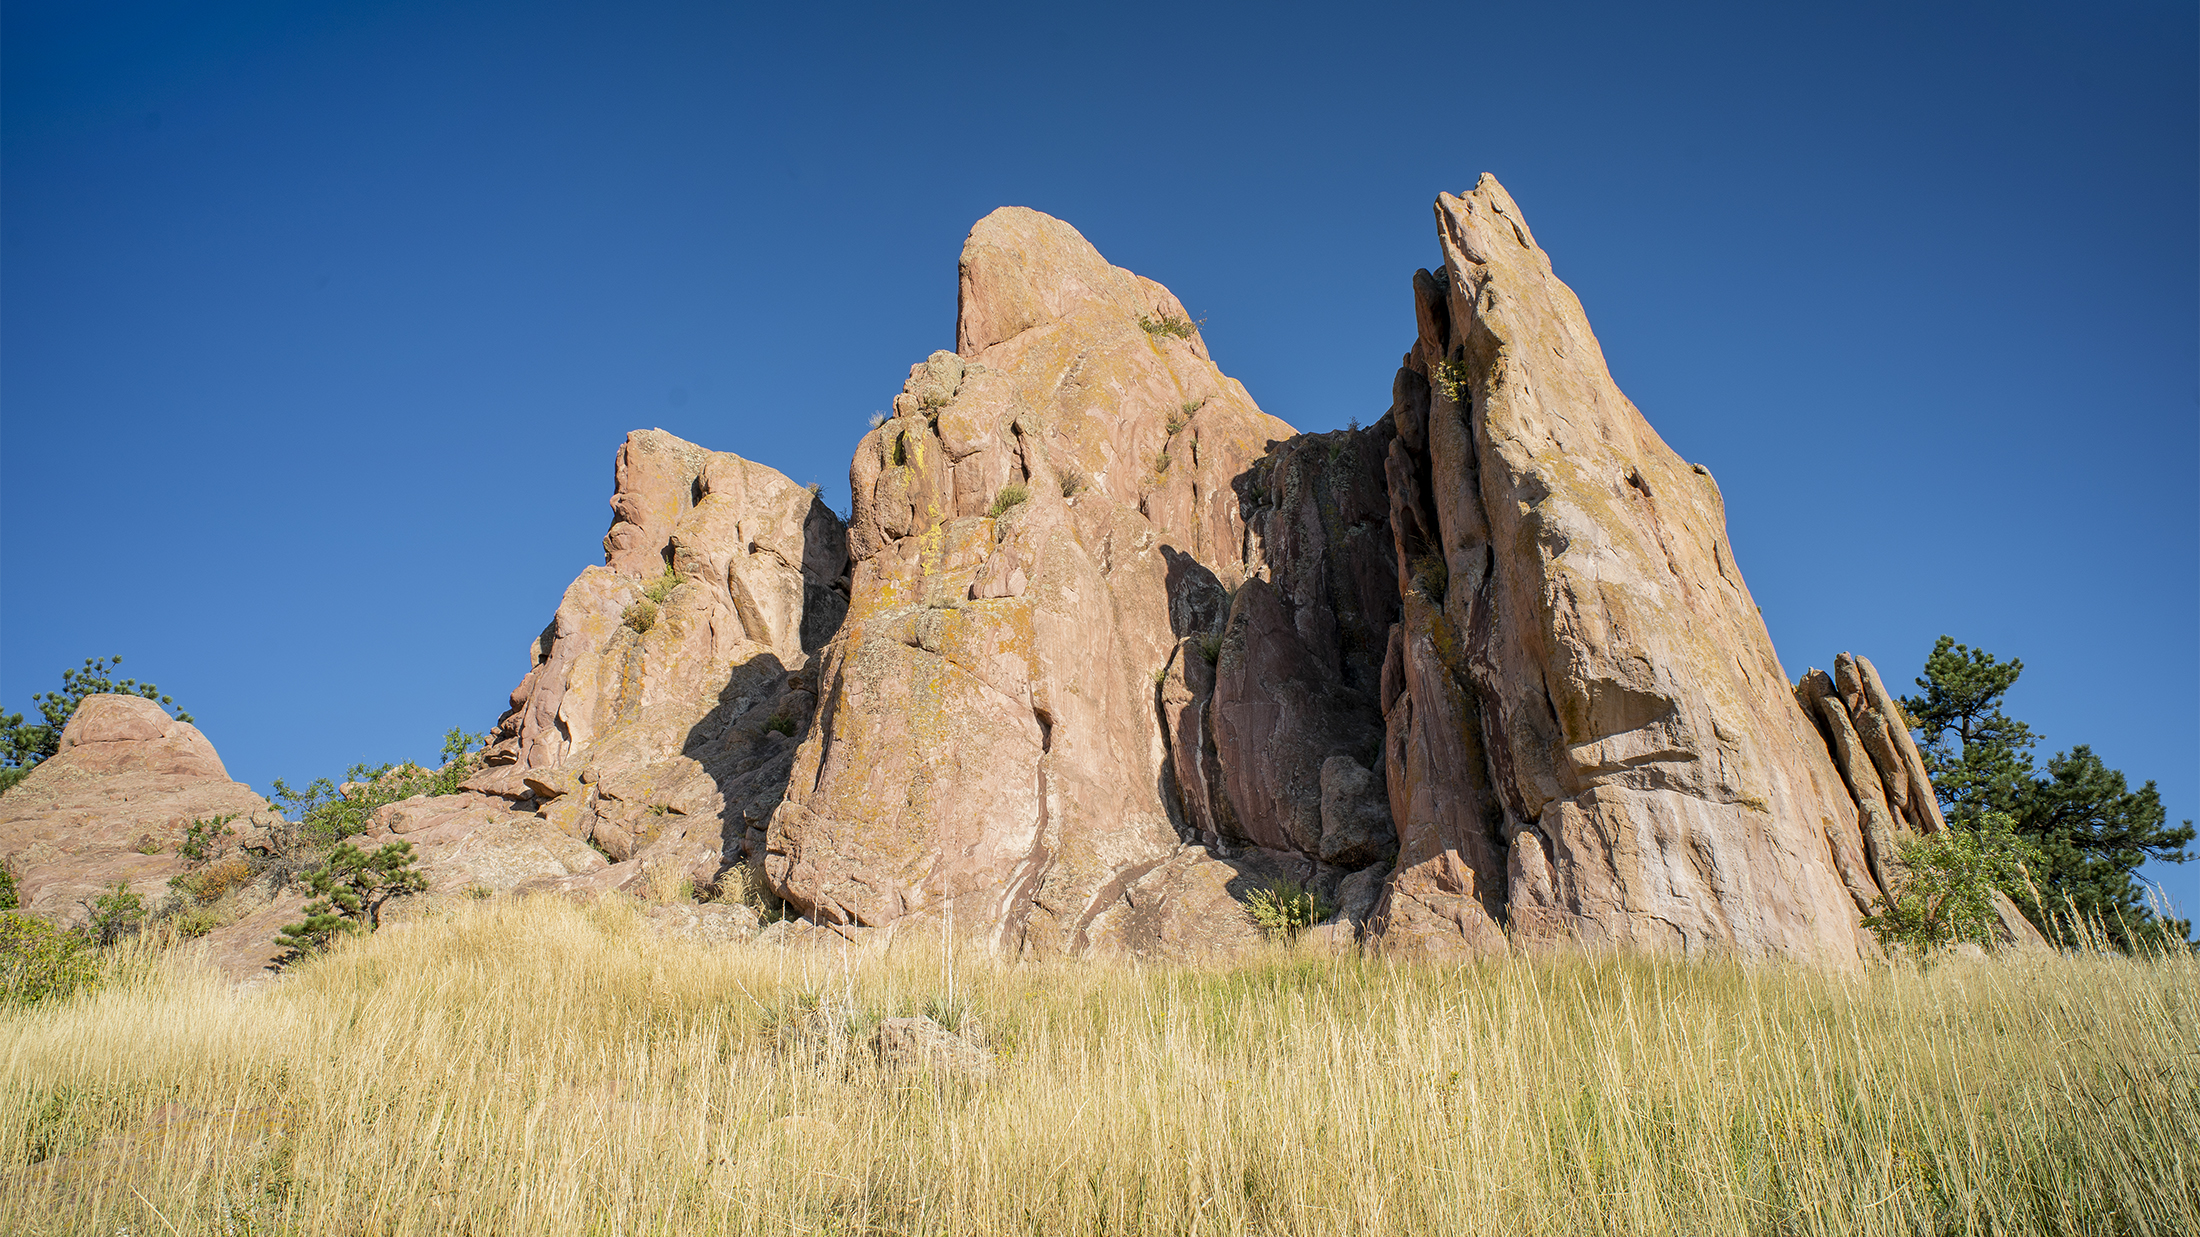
pixel 113 804
pixel 1591 738
pixel 1487 664
pixel 657 723
pixel 1042 534
pixel 1102 648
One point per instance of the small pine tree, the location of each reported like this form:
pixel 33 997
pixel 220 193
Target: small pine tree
pixel 348 893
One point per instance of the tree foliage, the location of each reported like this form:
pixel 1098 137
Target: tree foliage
pixel 348 892
pixel 327 814
pixel 39 960
pixel 2089 830
pixel 24 744
pixel 1947 896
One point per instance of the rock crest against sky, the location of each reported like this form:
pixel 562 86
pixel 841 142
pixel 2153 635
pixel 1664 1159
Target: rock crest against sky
pixel 1102 649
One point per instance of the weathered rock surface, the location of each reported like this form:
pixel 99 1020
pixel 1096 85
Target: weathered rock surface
pixel 1591 738
pixel 113 804
pixel 990 746
pixel 657 724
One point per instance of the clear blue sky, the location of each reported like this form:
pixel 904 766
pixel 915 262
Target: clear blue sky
pixel 319 324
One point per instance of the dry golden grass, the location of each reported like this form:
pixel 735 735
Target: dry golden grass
pixel 536 1067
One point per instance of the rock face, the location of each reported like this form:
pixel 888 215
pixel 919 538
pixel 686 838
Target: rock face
pixel 113 804
pixel 1103 647
pixel 1120 645
pixel 657 724
pixel 1591 739
pixel 1042 534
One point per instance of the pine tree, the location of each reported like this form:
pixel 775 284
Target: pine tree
pixel 348 893
pixel 2091 830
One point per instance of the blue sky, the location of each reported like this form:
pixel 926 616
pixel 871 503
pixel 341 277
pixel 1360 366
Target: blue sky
pixel 319 324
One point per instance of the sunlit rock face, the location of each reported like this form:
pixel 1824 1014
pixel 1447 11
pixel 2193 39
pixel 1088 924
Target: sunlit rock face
pixel 1590 739
pixel 1050 518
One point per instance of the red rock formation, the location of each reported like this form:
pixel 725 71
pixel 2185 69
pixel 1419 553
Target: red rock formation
pixel 1592 740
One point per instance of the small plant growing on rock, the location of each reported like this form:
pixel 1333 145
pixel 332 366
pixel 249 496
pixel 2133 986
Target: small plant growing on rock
pixel 640 617
pixel 659 589
pixel 1432 576
pixel 1161 464
pixel 207 883
pixel 1176 424
pixel 1169 325
pixel 1450 377
pixel 1011 495
pixel 780 724
pixel 147 844
pixel 1073 482
pixel 1284 908
pixel 878 419
pixel 348 893
pixel 203 837
pixel 1210 646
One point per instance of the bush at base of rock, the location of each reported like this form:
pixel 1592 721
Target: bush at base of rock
pixel 1945 895
pixel 1284 908
pixel 39 960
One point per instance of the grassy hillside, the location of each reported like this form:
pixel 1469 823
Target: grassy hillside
pixel 535 1067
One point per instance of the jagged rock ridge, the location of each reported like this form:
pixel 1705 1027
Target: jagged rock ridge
pixel 1103 646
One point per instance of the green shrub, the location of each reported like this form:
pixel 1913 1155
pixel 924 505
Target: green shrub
pixel 1284 908
pixel 326 816
pixel 10 896
pixel 116 913
pixel 1210 647
pixel 641 616
pixel 1176 424
pixel 349 890
pixel 1011 495
pixel 1169 325
pixel 39 960
pixel 1161 464
pixel 203 837
pixel 780 724
pixel 659 589
pixel 1945 894
pixel 1073 482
